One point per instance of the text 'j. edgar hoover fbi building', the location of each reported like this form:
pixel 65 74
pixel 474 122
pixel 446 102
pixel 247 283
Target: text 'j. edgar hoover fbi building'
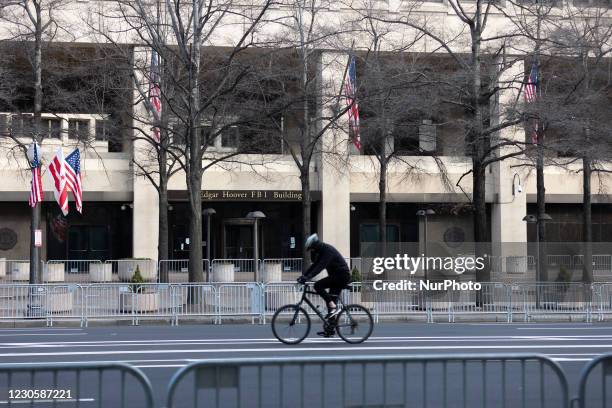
pixel 99 68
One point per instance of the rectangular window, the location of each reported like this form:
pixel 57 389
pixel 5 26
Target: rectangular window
pixel 78 129
pixel 51 128
pixel 4 125
pixel 22 125
pixel 102 129
pixel 230 137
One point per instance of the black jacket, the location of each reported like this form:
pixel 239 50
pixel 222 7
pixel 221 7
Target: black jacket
pixel 325 256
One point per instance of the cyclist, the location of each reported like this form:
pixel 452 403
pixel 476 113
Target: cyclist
pixel 325 256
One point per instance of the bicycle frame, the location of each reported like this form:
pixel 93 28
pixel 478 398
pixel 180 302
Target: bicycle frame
pixel 305 299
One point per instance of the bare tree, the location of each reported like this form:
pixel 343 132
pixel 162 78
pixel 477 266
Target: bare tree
pixel 301 94
pixel 199 85
pixel 32 23
pixel 474 86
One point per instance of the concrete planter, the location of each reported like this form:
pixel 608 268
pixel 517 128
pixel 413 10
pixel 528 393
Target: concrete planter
pixel 272 272
pixel 58 302
pixel 2 267
pixel 20 271
pixel 53 273
pixel 127 267
pixel 100 272
pixel 222 272
pixel 139 302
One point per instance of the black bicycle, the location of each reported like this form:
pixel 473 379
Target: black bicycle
pixel 291 323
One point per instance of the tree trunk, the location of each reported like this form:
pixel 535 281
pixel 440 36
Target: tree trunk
pixel 587 227
pixel 306 213
pixel 542 262
pixel 382 203
pixel 194 168
pixel 195 228
pixel 480 219
pixel 162 243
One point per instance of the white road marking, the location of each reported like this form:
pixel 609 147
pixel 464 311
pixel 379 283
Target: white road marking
pixel 283 348
pixel 212 342
pixel 43 334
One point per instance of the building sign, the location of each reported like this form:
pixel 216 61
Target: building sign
pixel 38 238
pixel 251 195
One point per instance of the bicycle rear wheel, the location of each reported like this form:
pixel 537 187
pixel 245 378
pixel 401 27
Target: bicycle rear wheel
pixel 290 324
pixel 355 324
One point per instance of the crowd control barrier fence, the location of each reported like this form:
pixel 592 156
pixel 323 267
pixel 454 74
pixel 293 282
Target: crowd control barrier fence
pixel 441 381
pixel 258 301
pixel 75 385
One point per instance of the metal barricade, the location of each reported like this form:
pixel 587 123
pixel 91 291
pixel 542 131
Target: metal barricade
pixel 243 270
pixel 177 270
pixel 122 301
pixel 560 260
pixel 491 299
pixel 240 300
pixel 402 303
pixel 15 270
pixel 45 301
pixel 287 265
pixel 124 269
pixel 72 271
pixel 278 294
pixel 193 300
pixel 76 384
pixel 441 381
pixel 593 383
pixel 548 299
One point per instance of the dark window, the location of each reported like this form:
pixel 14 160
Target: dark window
pixel 78 129
pixel 103 128
pixel 22 125
pixel 51 128
pixel 230 137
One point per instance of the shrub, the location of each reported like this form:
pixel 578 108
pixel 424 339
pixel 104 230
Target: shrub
pixel 355 275
pixel 137 281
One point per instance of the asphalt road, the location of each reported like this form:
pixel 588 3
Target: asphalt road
pixel 159 351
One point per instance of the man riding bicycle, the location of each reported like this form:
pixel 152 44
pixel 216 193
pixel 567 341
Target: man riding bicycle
pixel 325 256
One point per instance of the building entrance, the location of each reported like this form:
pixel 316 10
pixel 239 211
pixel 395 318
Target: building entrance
pixel 238 239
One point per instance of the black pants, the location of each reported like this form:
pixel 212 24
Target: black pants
pixel 334 284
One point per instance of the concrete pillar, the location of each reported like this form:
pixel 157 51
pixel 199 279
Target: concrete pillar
pixel 334 180
pixel 508 231
pixel 145 214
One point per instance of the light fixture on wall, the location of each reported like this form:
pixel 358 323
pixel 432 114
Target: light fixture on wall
pixel 126 206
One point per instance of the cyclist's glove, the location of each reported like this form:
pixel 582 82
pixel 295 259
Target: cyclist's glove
pixel 302 279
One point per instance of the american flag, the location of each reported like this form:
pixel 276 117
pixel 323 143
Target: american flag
pixel 531 93
pixel 36 190
pixel 58 178
pixel 72 167
pixel 351 102
pixel 155 93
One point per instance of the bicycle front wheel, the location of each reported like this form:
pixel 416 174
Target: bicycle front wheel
pixel 290 324
pixel 355 324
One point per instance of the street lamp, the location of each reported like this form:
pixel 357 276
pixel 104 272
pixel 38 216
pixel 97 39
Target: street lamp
pixel 256 216
pixel 424 214
pixel 208 212
pixel 534 219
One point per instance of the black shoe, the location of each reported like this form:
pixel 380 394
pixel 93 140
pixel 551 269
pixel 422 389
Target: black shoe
pixel 334 312
pixel 325 334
